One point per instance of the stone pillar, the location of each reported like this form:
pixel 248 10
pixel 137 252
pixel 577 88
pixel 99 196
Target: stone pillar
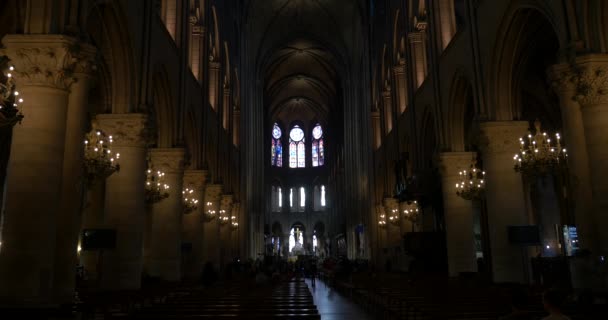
pixel 34 172
pixel 419 65
pixel 211 233
pixel 564 82
pixel 234 238
pixel 214 84
pixel 124 202
pixel 447 21
pixel 236 124
pixel 393 230
pixel 166 226
pixel 405 225
pixel 388 109
pixel 73 184
pixel 458 213
pixel 377 128
pixel 592 96
pixel 192 225
pixel 382 232
pixel 93 218
pixel 505 197
pixel 401 86
pixel 226 206
pixel 226 107
pixel 196 45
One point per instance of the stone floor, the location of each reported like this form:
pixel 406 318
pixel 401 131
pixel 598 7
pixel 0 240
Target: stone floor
pixel 333 306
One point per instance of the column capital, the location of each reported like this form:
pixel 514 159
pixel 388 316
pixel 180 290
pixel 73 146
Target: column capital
pixel 399 69
pixel 592 79
pixel 451 163
pixel 213 192
pixel 129 129
pixel 226 201
pixel 195 179
pixel 390 203
pixel 46 60
pixel 416 36
pixel 563 78
pixel 499 137
pixel 168 160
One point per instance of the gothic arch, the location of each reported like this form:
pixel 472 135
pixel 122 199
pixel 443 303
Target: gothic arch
pixel 458 115
pixel 107 28
pixel 163 111
pixel 514 33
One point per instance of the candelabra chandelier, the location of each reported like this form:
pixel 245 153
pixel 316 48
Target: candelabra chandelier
pixel 472 183
pixel 393 218
pixel 190 203
pixel 382 221
pixel 99 161
pixel 9 100
pixel 209 211
pixel 156 189
pixel 224 219
pixel 411 211
pixel 538 154
pixel 233 223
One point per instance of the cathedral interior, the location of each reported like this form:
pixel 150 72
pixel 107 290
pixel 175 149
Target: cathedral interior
pixel 303 159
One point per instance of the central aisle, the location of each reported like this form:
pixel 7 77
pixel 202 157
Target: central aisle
pixel 334 306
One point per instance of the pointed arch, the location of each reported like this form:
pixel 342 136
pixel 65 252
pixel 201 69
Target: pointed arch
pixel 164 111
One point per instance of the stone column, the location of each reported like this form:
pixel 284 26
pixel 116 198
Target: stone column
pixel 393 230
pixel 214 84
pixel 211 232
pixel 592 96
pixel 382 234
pixel 192 224
pixel 458 213
pixel 226 108
pixel 166 226
pixel 564 82
pixel 406 225
pixel 93 218
pixel 401 86
pixel 419 66
pixel 388 109
pixel 73 184
pixel 505 197
pixel 377 128
pixel 236 124
pixel 124 202
pixel 226 206
pixel 34 173
pixel 234 238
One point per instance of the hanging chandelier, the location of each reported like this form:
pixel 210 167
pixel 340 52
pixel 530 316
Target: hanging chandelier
pixel 382 221
pixel 209 211
pixel 190 203
pixel 410 210
pixel 234 224
pixel 538 154
pixel 224 219
pixel 99 161
pixel 156 189
pixel 9 100
pixel 471 185
pixel 393 218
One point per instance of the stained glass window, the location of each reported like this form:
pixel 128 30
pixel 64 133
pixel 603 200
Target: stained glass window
pixel 318 152
pixel 302 197
pixel 276 158
pixel 297 148
pixel 280 196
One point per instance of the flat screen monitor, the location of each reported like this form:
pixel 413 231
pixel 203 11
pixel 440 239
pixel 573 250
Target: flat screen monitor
pixel 524 235
pixel 97 239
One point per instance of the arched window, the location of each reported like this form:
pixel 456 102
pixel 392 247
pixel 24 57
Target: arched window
pixel 318 149
pixel 302 199
pixel 322 196
pixel 280 196
pixel 297 148
pixel 276 147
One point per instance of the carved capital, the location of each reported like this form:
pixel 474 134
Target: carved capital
pixel 85 60
pixel 416 36
pixel 195 179
pixel 226 202
pixel 390 203
pixel 168 160
pixel 591 75
pixel 563 79
pixel 499 137
pixel 128 129
pixel 399 70
pixel 43 60
pixel 451 163
pixel 213 193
